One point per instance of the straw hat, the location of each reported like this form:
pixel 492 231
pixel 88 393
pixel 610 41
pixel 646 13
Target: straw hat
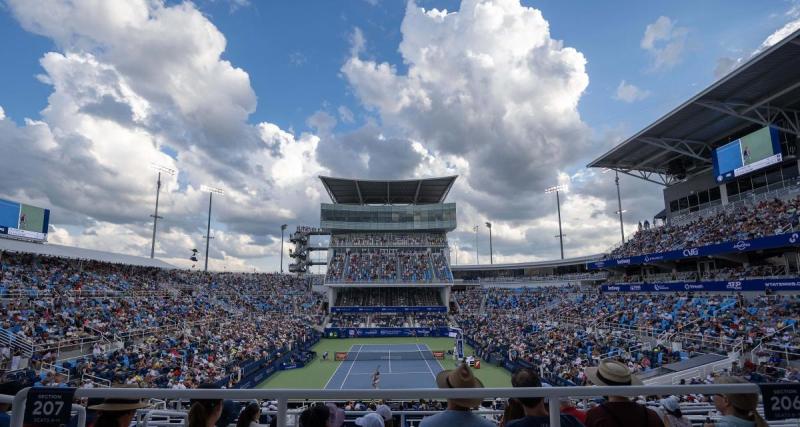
pixel 612 373
pixel 461 377
pixel 745 402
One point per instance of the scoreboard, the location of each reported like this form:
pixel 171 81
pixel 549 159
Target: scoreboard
pixel 21 221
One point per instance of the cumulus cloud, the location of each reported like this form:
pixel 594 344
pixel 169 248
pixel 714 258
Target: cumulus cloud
pixel 132 81
pixel 629 93
pixel 665 42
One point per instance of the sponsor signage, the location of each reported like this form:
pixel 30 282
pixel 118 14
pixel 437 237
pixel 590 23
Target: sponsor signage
pixel 385 332
pixel 710 286
pixel 770 242
pixel 395 309
pixel 48 406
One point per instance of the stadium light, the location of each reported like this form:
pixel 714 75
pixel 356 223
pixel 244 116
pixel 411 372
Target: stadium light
pixel 283 228
pixel 477 259
pixel 211 191
pixel 160 169
pixel 619 203
pixel 491 257
pixel 556 189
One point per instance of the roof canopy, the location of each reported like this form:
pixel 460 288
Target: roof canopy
pixel 763 91
pixel 60 251
pixel 367 192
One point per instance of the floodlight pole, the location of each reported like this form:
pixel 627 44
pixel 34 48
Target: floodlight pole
pixel 208 228
pixel 491 256
pixel 477 259
pixel 283 227
pixel 560 236
pixel 619 206
pixel 155 215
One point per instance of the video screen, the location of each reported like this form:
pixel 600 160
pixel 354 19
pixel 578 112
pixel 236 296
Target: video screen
pixel 747 154
pixel 23 221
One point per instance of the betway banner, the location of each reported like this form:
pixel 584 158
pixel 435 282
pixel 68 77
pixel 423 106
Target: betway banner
pixel 711 286
pixel 771 242
pixel 420 309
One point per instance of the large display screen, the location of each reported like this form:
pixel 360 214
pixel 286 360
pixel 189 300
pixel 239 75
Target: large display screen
pixel 23 221
pixel 747 154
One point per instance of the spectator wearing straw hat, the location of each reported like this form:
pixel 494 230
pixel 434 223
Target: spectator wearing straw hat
pixel 459 411
pixel 618 411
pixel 386 412
pixel 372 419
pixel 670 413
pixel 738 410
pixel 117 412
pixel 535 412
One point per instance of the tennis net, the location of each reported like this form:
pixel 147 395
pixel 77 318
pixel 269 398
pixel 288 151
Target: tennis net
pixel 389 355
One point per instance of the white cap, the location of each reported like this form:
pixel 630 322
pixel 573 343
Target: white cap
pixel 385 412
pixel 370 420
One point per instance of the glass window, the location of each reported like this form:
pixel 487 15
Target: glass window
pixel 703 196
pixel 745 185
pixel 790 171
pixel 692 200
pixel 733 188
pixel 714 194
pixel 774 177
pixel 759 180
pixel 683 203
pixel 673 206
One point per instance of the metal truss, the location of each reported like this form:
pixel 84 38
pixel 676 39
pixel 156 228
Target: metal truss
pixel 654 177
pixel 760 112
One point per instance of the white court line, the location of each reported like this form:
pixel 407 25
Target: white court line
pixel 389 373
pixel 351 367
pixel 334 372
pixel 426 364
pixel 390 358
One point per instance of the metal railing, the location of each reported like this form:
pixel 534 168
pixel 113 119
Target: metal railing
pixel 282 396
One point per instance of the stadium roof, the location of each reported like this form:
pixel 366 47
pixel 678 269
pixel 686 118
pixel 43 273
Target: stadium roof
pixel 48 249
pixel 582 260
pixel 764 89
pixel 368 192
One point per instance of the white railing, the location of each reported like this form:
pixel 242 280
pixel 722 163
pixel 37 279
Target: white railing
pixel 282 396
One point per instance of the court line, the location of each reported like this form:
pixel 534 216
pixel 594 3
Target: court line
pixel 334 372
pixel 351 367
pixel 389 373
pixel 390 358
pixel 426 364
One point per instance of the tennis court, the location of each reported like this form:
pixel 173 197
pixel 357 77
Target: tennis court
pixel 400 365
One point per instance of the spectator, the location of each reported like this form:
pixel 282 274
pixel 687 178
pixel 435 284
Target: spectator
pixel 204 412
pixel 458 412
pixel 738 410
pixel 316 416
pixel 535 412
pixel 618 411
pixel 10 388
pixel 670 413
pixel 250 416
pixel 117 412
pixel 370 420
pixel 336 418
pixel 386 412
pixel 569 409
pixel 512 412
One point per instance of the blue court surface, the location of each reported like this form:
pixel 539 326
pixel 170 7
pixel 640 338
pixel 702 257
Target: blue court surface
pixel 397 370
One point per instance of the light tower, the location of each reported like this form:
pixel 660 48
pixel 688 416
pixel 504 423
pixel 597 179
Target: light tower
pixel 155 216
pixel 211 192
pixel 556 189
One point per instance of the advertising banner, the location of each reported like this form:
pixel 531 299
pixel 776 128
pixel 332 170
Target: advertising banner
pixel 770 242
pixel 390 309
pixel 385 332
pixel 754 285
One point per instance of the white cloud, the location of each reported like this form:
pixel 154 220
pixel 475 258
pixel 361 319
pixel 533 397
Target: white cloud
pixel 345 115
pixel 357 42
pixel 665 42
pixel 629 93
pixel 130 79
pixel 793 14
pixel 2 113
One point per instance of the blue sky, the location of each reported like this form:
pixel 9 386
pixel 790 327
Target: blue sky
pixel 304 88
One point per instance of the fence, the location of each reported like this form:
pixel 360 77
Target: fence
pixel 282 396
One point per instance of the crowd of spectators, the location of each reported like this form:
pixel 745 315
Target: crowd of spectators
pixel 724 273
pixel 387 297
pixel 388 265
pixel 176 328
pixel 766 218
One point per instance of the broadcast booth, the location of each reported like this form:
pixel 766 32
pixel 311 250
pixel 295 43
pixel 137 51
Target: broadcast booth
pixel 388 255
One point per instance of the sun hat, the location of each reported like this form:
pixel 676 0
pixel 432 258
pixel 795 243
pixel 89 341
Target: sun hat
pixel 336 417
pixel 745 402
pixel 119 405
pixel 384 411
pixel 370 420
pixel 671 403
pixel 611 373
pixel 460 377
